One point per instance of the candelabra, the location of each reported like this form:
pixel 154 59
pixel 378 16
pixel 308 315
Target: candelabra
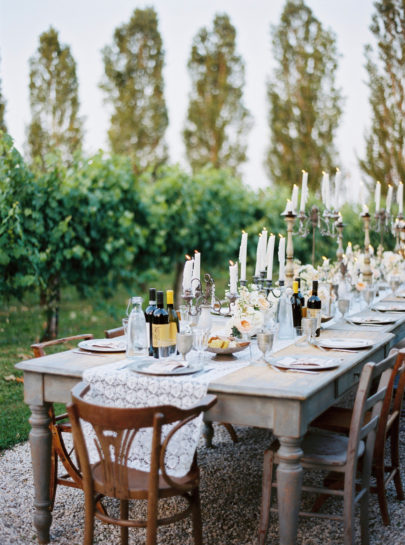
pixel 367 272
pixel 326 223
pixel 200 298
pixel 232 298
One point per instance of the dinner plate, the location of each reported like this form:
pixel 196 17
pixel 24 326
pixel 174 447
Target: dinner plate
pixel 341 342
pixel 307 363
pixel 103 345
pixel 146 368
pixel 389 307
pixel 372 320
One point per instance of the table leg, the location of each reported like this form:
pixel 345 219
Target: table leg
pixel 289 481
pixel 40 442
pixel 208 434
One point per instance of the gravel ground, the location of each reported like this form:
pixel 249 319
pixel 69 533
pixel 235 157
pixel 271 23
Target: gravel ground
pixel 230 493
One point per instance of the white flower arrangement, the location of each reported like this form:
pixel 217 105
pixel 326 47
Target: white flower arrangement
pixel 250 311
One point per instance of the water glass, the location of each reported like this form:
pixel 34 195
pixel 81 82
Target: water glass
pixel 200 340
pixel 265 342
pixel 308 329
pixel 301 336
pixel 369 294
pixel 184 342
pixel 165 351
pixel 343 306
pixel 184 322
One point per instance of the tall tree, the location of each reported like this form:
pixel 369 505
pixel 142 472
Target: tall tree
pixel 54 100
pixel 385 141
pixel 217 120
pixel 134 86
pixel 305 104
pixel 2 111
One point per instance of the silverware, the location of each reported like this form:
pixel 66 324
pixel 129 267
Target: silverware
pixel 85 353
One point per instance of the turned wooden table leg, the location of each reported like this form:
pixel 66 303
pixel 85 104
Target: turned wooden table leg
pixel 40 442
pixel 289 481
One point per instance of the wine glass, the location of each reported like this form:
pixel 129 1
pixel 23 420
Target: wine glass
pixel 184 342
pixel 265 341
pixel 369 294
pixel 395 282
pixel 184 322
pixel 343 306
pixel 200 341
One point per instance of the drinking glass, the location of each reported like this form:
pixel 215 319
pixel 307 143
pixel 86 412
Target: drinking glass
pixel 200 341
pixel 165 351
pixel 395 282
pixel 301 337
pixel 307 329
pixel 184 343
pixel 343 306
pixel 369 294
pixel 184 322
pixel 265 341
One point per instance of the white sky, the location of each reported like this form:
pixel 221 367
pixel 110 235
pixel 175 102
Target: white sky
pixel 88 25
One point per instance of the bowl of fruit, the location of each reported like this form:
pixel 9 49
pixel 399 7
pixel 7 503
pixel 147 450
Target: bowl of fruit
pixel 226 346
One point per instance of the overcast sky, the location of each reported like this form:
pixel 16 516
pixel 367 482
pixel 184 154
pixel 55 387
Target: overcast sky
pixel 87 26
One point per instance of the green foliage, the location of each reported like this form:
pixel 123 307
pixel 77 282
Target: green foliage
pixel 385 142
pixel 2 112
pixel 54 101
pixel 305 104
pixel 134 85
pixel 217 120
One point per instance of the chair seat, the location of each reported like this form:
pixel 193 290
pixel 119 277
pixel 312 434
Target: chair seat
pixel 138 483
pixel 323 448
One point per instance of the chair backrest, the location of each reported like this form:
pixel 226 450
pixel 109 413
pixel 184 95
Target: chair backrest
pixel 111 333
pixel 362 429
pixel 115 430
pixel 392 404
pixel 39 348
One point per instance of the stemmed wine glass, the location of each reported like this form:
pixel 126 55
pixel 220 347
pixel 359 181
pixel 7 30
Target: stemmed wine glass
pixel 184 342
pixel 343 306
pixel 369 294
pixel 265 341
pixel 395 282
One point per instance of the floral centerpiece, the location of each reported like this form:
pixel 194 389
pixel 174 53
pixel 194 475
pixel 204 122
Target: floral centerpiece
pixel 250 311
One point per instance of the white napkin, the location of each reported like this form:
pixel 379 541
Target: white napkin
pixel 164 366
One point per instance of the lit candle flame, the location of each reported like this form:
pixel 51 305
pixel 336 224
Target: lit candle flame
pixel 231 263
pixel 337 169
pixel 188 257
pixel 196 252
pixel 303 171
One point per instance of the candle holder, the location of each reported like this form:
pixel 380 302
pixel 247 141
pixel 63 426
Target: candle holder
pixel 383 222
pixel 367 272
pixel 232 297
pixel 269 288
pixel 200 298
pixel 242 283
pixel 325 222
pixel 340 252
pixel 289 218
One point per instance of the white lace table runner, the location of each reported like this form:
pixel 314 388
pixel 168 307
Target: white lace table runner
pixel 115 386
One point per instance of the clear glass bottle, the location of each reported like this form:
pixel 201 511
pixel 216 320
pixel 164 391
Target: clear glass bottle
pixel 285 315
pixel 137 341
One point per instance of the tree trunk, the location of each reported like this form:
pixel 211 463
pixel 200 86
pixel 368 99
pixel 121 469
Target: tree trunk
pixel 50 301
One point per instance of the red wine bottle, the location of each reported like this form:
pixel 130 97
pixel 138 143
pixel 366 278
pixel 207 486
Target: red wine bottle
pixel 150 309
pixel 314 307
pixel 296 305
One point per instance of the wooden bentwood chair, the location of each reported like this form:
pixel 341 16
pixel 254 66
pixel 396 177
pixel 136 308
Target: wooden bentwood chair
pixel 59 425
pixel 331 452
pixel 115 430
pixel 338 419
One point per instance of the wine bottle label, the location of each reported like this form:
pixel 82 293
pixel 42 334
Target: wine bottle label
pixel 172 332
pixel 316 313
pixel 161 335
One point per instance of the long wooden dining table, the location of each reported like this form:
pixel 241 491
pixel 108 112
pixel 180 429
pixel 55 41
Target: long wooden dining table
pixel 284 402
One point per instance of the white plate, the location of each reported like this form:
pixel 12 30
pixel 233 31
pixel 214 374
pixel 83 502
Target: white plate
pixel 103 345
pixel 143 366
pixel 340 342
pixel 372 320
pixel 307 363
pixel 389 307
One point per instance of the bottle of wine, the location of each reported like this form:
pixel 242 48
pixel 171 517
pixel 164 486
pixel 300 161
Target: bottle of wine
pixel 150 309
pixel 160 326
pixel 299 292
pixel 173 321
pixel 296 305
pixel 314 307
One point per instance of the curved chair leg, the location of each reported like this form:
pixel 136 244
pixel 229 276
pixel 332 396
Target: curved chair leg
pixel 267 481
pixel 395 460
pixel 53 480
pixel 88 520
pixel 124 511
pixel 348 511
pixel 379 472
pixel 365 540
pixel 231 430
pixel 196 515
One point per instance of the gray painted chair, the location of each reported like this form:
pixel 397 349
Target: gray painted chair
pixel 331 452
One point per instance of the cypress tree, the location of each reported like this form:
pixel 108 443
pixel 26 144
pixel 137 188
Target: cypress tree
pixel 305 104
pixel 217 120
pixel 54 100
pixel 385 142
pixel 134 87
